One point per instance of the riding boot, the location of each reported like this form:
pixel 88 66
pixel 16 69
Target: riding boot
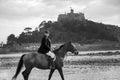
pixel 52 65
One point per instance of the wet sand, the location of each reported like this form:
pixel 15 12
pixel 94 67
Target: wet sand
pixel 71 72
pixel 75 68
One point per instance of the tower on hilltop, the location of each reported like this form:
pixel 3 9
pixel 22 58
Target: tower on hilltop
pixel 71 16
pixel 72 11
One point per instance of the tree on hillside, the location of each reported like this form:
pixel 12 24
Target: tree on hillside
pixel 11 39
pixel 28 29
pixel 41 25
pixel 22 38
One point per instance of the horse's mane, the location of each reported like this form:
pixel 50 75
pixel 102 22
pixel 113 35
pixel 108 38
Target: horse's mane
pixel 59 48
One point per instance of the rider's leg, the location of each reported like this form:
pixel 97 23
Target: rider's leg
pixel 52 64
pixel 51 57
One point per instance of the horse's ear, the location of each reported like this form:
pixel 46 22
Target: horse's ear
pixel 70 42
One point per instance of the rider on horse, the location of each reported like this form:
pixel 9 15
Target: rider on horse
pixel 45 48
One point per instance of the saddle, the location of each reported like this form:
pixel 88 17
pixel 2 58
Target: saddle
pixel 51 62
pixel 49 58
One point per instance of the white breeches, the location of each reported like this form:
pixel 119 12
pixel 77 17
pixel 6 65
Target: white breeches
pixel 51 54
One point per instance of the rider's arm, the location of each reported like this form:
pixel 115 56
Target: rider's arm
pixel 47 44
pixel 50 44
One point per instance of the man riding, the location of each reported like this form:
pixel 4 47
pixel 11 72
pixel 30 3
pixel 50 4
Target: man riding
pixel 45 48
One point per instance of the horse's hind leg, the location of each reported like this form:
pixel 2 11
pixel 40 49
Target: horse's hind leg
pixel 26 73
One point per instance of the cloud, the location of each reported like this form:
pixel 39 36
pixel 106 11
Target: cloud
pixel 112 20
pixel 103 11
pixel 64 5
pixel 112 2
pixel 64 2
pixel 20 9
pixel 17 9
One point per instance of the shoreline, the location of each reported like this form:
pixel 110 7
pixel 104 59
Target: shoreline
pixel 81 53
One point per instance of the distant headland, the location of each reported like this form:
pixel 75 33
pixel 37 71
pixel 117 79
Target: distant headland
pixel 69 27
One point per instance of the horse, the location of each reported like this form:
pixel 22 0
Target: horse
pixel 41 61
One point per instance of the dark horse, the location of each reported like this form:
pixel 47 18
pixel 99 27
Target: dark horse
pixel 41 61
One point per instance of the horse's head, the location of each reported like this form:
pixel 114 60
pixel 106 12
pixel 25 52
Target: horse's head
pixel 67 47
pixel 71 48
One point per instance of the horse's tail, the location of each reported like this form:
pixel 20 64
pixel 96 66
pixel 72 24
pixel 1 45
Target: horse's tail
pixel 20 65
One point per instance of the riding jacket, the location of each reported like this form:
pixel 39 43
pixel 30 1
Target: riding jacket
pixel 45 45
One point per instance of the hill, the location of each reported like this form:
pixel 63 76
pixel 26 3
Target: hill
pixel 82 31
pixel 77 31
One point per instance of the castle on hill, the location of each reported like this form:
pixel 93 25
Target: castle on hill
pixel 71 16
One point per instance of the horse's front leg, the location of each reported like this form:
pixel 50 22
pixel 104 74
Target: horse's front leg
pixel 61 73
pixel 51 72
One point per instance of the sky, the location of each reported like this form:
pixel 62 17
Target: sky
pixel 15 15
